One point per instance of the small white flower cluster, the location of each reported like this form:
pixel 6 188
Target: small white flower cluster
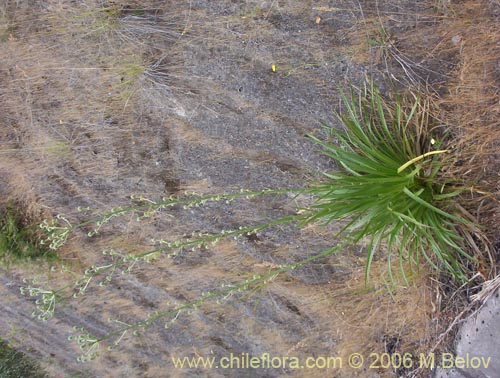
pixel 105 218
pixel 57 234
pixel 87 342
pixel 82 284
pixel 46 302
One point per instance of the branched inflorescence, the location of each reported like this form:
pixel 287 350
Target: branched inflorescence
pixel 90 344
pixel 124 262
pixel 59 229
pixel 46 301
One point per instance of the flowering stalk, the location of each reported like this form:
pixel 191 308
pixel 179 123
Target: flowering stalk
pixel 103 274
pixel 90 344
pixel 57 233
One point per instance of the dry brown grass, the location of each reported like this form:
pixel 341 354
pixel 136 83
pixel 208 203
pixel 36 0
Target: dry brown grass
pixel 472 109
pixel 379 318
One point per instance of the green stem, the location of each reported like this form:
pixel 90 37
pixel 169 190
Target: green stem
pixel 187 201
pixel 174 245
pixel 259 279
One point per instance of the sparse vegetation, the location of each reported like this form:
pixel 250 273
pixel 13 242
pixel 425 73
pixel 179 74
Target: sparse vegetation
pixel 19 242
pixel 14 364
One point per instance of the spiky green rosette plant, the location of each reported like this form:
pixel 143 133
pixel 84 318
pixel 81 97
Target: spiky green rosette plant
pixel 388 190
pixel 389 186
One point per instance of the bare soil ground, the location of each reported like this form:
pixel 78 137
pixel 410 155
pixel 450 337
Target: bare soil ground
pixel 101 100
